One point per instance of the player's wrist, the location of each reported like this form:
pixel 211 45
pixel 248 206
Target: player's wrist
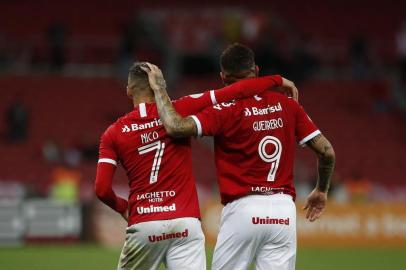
pixel 122 205
pixel 322 189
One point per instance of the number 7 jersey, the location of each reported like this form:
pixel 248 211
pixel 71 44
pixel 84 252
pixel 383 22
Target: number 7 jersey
pixel 158 167
pixel 254 143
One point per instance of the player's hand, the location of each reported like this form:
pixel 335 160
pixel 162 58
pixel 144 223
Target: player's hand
pixel 155 77
pixel 315 204
pixel 290 89
pixel 125 214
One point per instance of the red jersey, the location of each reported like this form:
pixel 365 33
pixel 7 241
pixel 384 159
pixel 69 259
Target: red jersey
pixel 254 141
pixel 158 167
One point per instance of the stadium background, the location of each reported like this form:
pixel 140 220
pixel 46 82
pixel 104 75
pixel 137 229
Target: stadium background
pixel 63 71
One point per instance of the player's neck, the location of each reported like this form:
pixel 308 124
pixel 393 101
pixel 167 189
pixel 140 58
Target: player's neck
pixel 143 99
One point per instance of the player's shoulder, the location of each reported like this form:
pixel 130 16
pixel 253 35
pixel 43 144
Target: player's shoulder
pixel 113 127
pixel 109 131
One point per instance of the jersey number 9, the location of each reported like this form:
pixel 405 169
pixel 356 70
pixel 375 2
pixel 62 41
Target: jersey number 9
pixel 272 158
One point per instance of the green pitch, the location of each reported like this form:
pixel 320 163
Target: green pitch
pixel 88 257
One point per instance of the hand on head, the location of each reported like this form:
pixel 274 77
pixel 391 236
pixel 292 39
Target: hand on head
pixel 290 89
pixel 155 77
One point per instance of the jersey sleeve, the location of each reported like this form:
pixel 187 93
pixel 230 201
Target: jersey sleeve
pixel 105 172
pixel 107 152
pixel 305 128
pixel 242 89
pixel 194 103
pixel 214 120
pixel 104 190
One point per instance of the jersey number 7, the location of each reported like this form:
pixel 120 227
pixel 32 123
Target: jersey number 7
pixel 272 158
pixel 159 147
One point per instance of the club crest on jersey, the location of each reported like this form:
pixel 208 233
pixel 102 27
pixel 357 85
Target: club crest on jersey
pixel 263 111
pixel 135 126
pixel 247 112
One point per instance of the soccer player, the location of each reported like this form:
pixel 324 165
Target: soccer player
pixel 255 141
pixel 162 209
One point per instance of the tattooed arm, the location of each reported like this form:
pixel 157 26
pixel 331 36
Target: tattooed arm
pixel 175 125
pixel 316 201
pixel 326 159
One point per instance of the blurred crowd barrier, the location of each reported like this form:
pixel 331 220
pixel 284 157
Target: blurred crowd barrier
pixel 342 225
pixel 39 220
pixel 375 224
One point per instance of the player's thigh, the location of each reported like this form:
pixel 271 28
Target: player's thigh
pixel 279 248
pixel 278 257
pixel 188 250
pixel 238 239
pixel 142 249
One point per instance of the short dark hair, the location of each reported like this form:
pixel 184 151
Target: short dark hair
pixel 237 58
pixel 138 76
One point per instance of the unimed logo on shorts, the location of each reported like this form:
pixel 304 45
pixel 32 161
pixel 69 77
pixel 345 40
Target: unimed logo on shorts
pixel 156 209
pixel 166 236
pixel 268 220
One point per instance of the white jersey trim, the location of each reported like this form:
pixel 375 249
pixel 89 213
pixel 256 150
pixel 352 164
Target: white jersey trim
pixel 309 137
pixel 108 160
pixel 213 97
pixel 198 125
pixel 143 110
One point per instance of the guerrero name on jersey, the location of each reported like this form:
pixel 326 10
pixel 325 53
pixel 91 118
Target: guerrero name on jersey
pixel 255 140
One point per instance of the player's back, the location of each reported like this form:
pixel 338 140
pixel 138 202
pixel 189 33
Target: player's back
pixel 256 143
pixel 158 167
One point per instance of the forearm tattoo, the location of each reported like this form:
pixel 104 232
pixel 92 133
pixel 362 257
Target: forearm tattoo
pixel 161 83
pixel 326 161
pixel 175 125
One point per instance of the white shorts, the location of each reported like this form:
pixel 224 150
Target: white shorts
pixel 260 229
pixel 178 243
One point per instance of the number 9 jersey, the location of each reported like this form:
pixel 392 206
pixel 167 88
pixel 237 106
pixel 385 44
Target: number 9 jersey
pixel 254 143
